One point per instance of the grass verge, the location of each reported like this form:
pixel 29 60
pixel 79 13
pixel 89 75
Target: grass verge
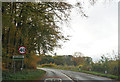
pixel 101 74
pixel 23 75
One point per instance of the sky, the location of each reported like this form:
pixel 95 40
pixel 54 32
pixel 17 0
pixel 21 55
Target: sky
pixel 95 35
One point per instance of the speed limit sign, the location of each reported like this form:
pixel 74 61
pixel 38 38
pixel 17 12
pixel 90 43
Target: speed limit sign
pixel 22 50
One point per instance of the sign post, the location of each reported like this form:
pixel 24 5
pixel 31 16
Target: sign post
pixel 18 58
pixel 22 50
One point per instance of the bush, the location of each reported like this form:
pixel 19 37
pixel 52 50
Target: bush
pixel 48 65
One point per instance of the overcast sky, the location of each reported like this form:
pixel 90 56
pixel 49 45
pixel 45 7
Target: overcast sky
pixel 95 35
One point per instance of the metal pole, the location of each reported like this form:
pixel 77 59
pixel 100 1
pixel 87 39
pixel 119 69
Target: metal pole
pixel 14 66
pixel 22 65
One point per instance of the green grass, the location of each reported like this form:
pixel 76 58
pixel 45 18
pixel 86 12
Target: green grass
pixel 23 75
pixel 101 74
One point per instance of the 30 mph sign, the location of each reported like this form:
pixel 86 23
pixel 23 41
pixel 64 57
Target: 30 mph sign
pixel 22 50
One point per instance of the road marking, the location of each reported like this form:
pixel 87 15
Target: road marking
pixel 67 77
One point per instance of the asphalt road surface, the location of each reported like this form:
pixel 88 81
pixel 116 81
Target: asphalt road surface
pixel 56 75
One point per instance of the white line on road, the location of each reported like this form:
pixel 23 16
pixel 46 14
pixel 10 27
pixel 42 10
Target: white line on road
pixel 67 77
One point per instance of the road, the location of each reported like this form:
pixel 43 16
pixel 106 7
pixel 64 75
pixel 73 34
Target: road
pixel 57 75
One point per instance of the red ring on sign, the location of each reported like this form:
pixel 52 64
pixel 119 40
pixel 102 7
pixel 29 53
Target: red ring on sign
pixel 25 49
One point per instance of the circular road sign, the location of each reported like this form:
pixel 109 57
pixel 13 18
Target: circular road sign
pixel 22 50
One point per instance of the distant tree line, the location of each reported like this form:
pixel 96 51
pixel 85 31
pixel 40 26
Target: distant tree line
pixel 68 60
pixel 105 64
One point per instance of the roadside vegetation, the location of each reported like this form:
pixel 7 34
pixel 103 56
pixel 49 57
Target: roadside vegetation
pixel 106 66
pixel 24 75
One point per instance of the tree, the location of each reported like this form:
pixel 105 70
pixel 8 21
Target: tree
pixel 78 58
pixel 59 60
pixel 68 60
pixel 78 54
